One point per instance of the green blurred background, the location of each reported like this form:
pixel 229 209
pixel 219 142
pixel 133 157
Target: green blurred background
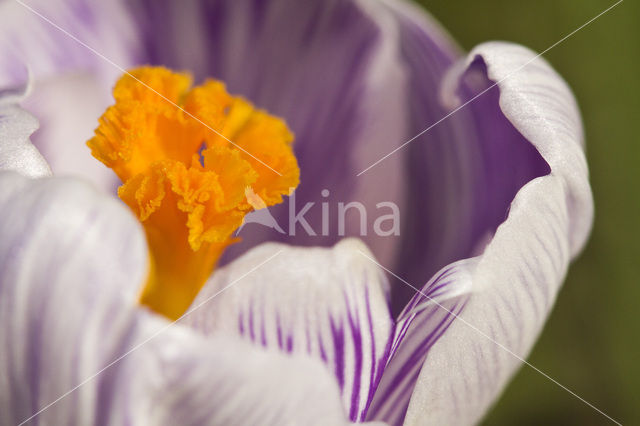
pixel 591 343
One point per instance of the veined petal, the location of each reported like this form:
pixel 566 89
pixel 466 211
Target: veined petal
pixel 77 349
pixel 463 171
pixel 516 279
pixel 325 304
pixel 423 321
pixel 17 153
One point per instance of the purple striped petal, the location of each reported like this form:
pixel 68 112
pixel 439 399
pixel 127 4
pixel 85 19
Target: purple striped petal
pixel 325 304
pixel 17 153
pixel 71 263
pixel 463 172
pixel 516 279
pixel 423 321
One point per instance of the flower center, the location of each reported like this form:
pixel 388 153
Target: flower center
pixel 186 157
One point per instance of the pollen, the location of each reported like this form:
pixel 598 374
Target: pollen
pixel 187 157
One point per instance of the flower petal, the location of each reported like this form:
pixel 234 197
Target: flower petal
pixel 49 49
pixel 17 153
pixel 516 279
pixel 464 170
pixel 325 304
pixel 77 349
pixel 423 321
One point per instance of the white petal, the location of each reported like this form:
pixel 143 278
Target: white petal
pixel 71 262
pixel 517 277
pixel 321 303
pixel 17 153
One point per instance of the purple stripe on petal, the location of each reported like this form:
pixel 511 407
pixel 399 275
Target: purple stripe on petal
pixel 419 326
pixel 357 376
pixel 252 334
pixel 337 333
pixel 289 347
pixel 375 367
pixel 263 333
pixel 279 332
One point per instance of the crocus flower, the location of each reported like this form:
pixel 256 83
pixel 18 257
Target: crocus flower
pixel 494 203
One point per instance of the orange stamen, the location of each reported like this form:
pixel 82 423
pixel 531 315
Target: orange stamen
pixel 189 197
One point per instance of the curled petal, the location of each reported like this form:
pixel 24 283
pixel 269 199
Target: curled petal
pixel 77 349
pixel 464 168
pixel 325 304
pixel 517 277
